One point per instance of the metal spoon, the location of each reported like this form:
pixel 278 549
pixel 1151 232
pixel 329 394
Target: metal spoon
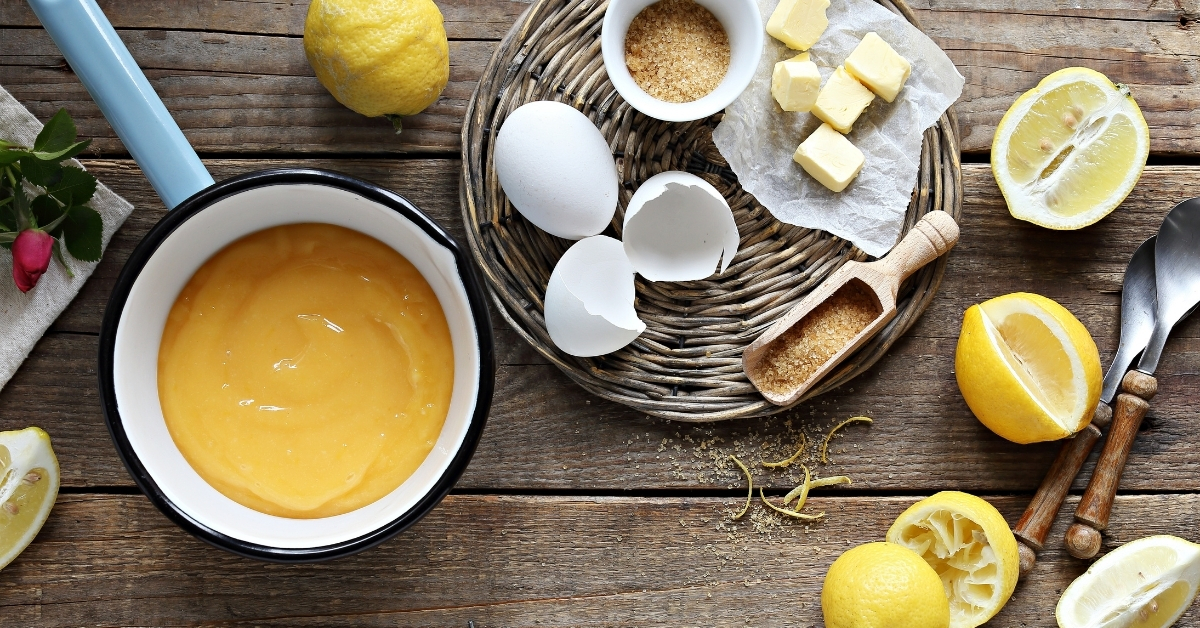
pixel 1177 280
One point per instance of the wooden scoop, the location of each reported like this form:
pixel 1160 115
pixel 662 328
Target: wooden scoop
pixel 876 282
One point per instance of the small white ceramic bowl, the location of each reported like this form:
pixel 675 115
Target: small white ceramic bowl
pixel 164 262
pixel 744 26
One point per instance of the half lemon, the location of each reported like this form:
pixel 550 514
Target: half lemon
pixel 968 543
pixel 1027 368
pixel 28 487
pixel 1147 583
pixel 1070 150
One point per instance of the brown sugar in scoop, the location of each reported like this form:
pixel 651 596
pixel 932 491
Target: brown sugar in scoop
pixel 837 318
pixel 820 335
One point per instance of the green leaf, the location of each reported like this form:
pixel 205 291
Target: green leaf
pixel 46 211
pixel 82 230
pixel 7 237
pixel 76 187
pixel 56 250
pixel 11 155
pixel 58 134
pixel 66 153
pixel 41 173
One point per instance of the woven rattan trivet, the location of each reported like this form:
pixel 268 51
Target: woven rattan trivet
pixel 687 364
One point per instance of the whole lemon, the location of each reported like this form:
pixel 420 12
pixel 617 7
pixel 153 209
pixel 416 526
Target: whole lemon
pixel 379 57
pixel 883 585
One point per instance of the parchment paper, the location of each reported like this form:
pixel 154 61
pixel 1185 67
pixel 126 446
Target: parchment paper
pixel 758 138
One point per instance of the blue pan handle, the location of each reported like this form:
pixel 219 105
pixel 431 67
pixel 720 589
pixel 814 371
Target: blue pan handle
pixel 99 58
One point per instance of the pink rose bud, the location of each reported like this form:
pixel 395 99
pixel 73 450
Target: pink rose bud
pixel 31 257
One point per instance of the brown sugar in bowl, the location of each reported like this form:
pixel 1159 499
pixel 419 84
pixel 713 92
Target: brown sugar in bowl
pixel 740 21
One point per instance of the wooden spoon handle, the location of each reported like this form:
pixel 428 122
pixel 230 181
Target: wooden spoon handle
pixel 1091 517
pixel 931 237
pixel 1035 524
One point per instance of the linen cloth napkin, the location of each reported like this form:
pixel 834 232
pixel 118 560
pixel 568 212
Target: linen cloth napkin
pixel 24 317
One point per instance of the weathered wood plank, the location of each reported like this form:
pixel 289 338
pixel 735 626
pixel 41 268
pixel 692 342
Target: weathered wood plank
pixel 464 19
pixel 234 93
pixel 925 437
pixel 234 75
pixel 1005 48
pixel 504 561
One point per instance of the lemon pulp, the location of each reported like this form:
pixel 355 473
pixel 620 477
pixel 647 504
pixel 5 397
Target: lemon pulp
pixel 1147 583
pixel 29 480
pixel 1027 368
pixel 1037 357
pixel 969 545
pixel 1070 150
pixel 306 370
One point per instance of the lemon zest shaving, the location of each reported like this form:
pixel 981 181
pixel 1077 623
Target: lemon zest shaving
pixel 825 445
pixel 749 487
pixel 795 456
pixel 800 492
pixel 785 511
pixel 830 481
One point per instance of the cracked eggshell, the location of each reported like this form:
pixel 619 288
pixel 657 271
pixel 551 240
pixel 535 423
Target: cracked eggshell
pixel 589 300
pixel 678 228
pixel 557 170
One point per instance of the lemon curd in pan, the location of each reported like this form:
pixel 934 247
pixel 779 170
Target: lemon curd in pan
pixel 305 370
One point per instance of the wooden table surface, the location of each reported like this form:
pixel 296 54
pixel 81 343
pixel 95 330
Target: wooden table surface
pixel 577 511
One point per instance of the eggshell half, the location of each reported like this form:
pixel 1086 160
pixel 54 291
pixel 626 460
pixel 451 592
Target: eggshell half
pixel 557 170
pixel 678 228
pixel 589 300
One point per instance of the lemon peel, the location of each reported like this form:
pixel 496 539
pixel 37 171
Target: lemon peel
pixel 785 511
pixel 800 493
pixel 825 445
pixel 379 58
pixel 793 458
pixel 749 487
pixel 883 585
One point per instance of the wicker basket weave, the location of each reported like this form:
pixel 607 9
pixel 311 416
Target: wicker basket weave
pixel 687 365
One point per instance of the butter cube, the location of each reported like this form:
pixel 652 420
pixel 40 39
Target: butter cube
pixel 798 23
pixel 878 66
pixel 842 100
pixel 795 83
pixel 830 158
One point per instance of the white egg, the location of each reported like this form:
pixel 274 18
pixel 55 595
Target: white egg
pixel 589 300
pixel 557 170
pixel 678 228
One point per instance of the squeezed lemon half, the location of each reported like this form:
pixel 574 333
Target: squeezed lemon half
pixel 1147 583
pixel 28 487
pixel 1027 368
pixel 969 545
pixel 1070 150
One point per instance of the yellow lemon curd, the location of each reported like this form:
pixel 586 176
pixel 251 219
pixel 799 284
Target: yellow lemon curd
pixel 305 370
